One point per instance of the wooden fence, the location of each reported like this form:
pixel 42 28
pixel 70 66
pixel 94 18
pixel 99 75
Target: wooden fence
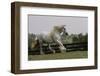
pixel 69 47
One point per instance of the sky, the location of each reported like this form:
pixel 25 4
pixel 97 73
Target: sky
pixel 43 23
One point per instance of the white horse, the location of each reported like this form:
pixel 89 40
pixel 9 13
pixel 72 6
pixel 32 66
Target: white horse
pixel 54 36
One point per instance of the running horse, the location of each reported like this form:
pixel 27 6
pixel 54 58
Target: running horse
pixel 54 36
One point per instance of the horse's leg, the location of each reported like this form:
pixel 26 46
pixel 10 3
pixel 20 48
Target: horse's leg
pixel 51 49
pixel 62 48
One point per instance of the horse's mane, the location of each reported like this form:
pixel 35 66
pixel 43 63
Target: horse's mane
pixel 58 28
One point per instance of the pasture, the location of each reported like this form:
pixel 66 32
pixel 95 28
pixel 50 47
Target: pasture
pixel 66 55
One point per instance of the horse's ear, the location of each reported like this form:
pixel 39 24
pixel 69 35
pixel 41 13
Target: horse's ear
pixel 62 26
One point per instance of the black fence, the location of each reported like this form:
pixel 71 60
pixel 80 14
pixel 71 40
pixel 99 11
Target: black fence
pixel 69 47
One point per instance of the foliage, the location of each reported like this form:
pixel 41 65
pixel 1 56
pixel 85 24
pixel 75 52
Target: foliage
pixel 75 38
pixel 31 38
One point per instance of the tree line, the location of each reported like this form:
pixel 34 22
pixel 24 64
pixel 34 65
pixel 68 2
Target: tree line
pixel 66 39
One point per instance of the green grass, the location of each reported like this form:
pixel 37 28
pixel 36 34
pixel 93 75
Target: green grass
pixel 66 55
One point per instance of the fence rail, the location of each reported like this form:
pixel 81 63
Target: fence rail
pixel 69 47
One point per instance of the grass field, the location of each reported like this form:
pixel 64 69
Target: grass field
pixel 66 55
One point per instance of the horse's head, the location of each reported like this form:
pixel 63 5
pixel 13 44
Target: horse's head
pixel 61 29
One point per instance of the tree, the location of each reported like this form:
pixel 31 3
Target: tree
pixel 31 38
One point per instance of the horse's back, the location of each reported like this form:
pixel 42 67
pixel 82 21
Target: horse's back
pixel 45 37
